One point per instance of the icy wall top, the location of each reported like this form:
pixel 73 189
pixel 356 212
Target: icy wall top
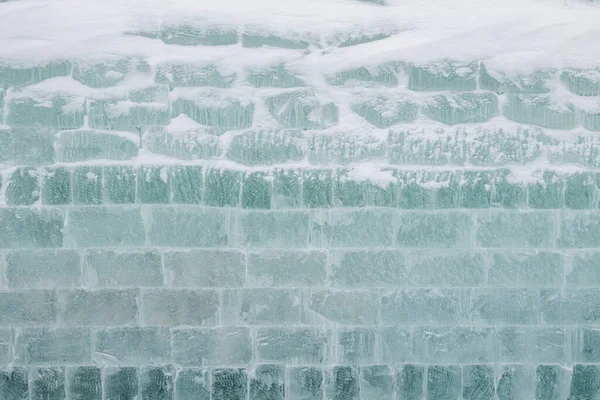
pixel 299 200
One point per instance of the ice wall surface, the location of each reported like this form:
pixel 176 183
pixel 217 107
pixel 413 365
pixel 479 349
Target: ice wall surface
pixel 313 200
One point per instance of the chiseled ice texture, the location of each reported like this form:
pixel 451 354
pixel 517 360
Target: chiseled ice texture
pixel 309 200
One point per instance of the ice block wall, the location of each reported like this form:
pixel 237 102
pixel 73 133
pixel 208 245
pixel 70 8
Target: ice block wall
pixel 331 200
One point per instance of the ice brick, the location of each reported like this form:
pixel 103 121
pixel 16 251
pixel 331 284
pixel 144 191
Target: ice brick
pixel 446 269
pixel 176 307
pixel 192 384
pixel 382 75
pixel 304 383
pixel 257 190
pixel 29 228
pixel 424 306
pixel 23 188
pixel 580 229
pixel 132 346
pixel 384 112
pixel 154 185
pixel 14 384
pixel 119 184
pixel 268 382
pixel 452 229
pixel 84 383
pixel 355 345
pixel 273 229
pixel 292 345
pixel 56 186
pixel 127 115
pixel 343 383
pixel 43 269
pixel 410 381
pixel 302 110
pixel 317 188
pixel 537 344
pixel 444 382
pixel 515 382
pixel 98 307
pixel 446 75
pixel 102 71
pixel 104 226
pixel 267 147
pixel 186 184
pixel 6 346
pixel 478 382
pixel 52 346
pixel 500 82
pixel 87 185
pixel 521 229
pixel 547 192
pixel 584 270
pixel 194 35
pixel 287 188
pixel 287 268
pixel 157 383
pixel 261 306
pixel 23 74
pixel 256 36
pixel 33 146
pixel 275 76
pixel 366 228
pixel 462 108
pixel 222 187
pixel 526 269
pixel 505 306
pixel 41 108
pixel 552 382
pixel 377 382
pixel 396 344
pixel 188 226
pixel 197 143
pixel 580 191
pixel 23 308
pixel 214 109
pixel 454 345
pixel 571 306
pixel 47 383
pixel 212 346
pixel 186 75
pixel 582 82
pixel 205 268
pixel 539 110
pixel 85 145
pixel 357 307
pixel 126 268
pixel 341 148
pixel 585 383
pixel 229 384
pixel 121 383
pixel 364 268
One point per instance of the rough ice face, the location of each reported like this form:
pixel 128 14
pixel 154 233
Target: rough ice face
pixel 249 210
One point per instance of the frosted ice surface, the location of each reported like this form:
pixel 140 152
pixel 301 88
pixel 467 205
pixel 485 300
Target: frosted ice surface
pixel 316 200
